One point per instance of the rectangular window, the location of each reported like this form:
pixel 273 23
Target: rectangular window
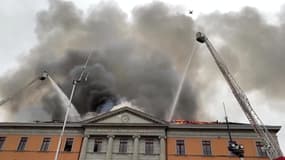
pixel 260 149
pixel 45 144
pixel 22 144
pixel 68 144
pixel 123 147
pixel 97 145
pixel 207 148
pixel 180 147
pixel 2 140
pixel 149 146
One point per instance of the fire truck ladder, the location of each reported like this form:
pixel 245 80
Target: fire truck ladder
pixel 271 146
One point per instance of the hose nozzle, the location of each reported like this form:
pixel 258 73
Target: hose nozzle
pixel 43 76
pixel 201 37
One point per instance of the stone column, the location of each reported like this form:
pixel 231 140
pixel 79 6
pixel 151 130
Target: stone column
pixel 136 147
pixel 109 147
pixel 162 148
pixel 84 147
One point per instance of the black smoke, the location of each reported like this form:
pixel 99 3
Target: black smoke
pixel 136 60
pixel 140 58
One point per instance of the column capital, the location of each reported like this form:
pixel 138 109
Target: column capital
pixel 162 137
pixel 136 136
pixel 86 136
pixel 110 136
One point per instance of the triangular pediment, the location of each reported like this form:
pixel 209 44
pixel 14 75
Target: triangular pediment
pixel 125 115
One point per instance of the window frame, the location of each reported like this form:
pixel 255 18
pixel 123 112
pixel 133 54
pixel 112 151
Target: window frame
pixel 65 149
pixel 123 145
pixel 259 151
pixel 99 145
pixel 149 146
pixel 207 148
pixel 22 144
pixel 180 147
pixel 2 142
pixel 45 144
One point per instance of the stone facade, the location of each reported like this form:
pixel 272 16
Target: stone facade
pixel 134 128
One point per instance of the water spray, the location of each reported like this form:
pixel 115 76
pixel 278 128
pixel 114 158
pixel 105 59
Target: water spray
pixel 73 114
pixel 177 95
pixel 74 84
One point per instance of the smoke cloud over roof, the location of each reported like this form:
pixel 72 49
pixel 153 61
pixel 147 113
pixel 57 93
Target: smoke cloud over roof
pixel 141 58
pixel 134 60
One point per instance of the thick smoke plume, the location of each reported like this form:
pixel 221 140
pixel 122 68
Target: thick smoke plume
pixel 136 60
pixel 140 58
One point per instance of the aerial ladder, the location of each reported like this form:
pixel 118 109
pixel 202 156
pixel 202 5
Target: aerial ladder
pixel 270 143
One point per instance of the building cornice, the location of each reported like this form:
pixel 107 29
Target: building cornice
pixel 40 125
pixel 123 125
pixel 220 127
pixel 125 109
pixel 233 127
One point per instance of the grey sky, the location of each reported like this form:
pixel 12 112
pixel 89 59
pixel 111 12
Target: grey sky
pixel 17 29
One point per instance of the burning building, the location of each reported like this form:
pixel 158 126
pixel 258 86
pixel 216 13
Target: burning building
pixel 127 133
pixel 139 62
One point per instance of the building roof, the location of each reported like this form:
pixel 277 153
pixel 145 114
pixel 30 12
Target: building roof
pixel 141 114
pixel 141 119
pixel 221 126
